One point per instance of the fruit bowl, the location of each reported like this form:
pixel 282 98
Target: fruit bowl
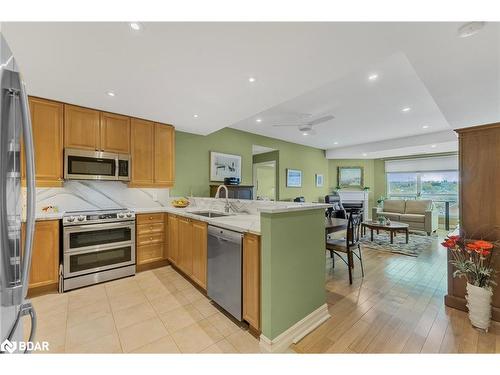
pixel 180 203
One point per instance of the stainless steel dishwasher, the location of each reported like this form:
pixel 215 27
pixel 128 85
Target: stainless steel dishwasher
pixel 225 269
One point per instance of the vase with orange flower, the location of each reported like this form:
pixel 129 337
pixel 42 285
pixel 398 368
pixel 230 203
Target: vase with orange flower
pixel 472 261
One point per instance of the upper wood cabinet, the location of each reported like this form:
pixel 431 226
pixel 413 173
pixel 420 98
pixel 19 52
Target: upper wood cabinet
pixel 81 128
pixel 115 133
pixel 47 124
pixel 44 271
pixel 153 154
pixel 251 280
pixel 164 154
pixel 142 151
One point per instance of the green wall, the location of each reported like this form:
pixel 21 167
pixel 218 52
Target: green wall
pixel 292 268
pixel 192 162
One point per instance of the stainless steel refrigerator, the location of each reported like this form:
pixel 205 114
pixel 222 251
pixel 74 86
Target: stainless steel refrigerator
pixel 15 262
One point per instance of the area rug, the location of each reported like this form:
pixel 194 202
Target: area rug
pixel 382 242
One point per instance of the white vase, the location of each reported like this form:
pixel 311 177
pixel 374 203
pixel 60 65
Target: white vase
pixel 479 305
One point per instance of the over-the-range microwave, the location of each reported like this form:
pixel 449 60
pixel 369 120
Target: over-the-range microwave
pixel 95 165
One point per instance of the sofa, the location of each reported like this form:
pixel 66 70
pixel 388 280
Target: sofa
pixel 420 215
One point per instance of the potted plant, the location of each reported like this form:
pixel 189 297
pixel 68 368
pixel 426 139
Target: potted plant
pixel 472 261
pixel 380 201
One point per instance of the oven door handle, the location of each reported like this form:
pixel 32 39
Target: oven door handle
pixel 98 248
pixel 85 228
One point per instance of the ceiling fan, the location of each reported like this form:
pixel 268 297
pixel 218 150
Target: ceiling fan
pixel 306 125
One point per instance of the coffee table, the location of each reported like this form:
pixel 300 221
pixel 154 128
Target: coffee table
pixel 392 228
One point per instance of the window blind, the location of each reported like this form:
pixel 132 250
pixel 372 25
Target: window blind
pixel 440 163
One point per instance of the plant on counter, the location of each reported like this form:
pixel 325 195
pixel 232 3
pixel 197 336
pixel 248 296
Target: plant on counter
pixel 472 261
pixel 366 188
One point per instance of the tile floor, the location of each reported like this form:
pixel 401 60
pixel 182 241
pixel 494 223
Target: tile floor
pixel 156 311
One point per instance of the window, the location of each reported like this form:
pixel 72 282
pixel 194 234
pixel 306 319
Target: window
pixel 402 184
pixel 440 186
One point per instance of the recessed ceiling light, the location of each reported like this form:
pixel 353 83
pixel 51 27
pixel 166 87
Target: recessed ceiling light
pixel 433 146
pixel 251 79
pixel 195 116
pixel 110 93
pixel 305 133
pixel 406 109
pixel 373 77
pixel 365 154
pixel 335 143
pixel 425 127
pixel 470 29
pixel 136 26
pixel 258 120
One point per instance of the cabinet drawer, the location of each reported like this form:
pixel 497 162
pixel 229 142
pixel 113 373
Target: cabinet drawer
pixel 149 218
pixel 151 228
pixel 149 253
pixel 149 239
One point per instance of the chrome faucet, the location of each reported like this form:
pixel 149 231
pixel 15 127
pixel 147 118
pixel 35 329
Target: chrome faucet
pixel 227 205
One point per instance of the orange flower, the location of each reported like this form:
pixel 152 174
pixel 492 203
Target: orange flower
pixel 449 243
pixel 485 245
pixel 485 253
pixel 472 247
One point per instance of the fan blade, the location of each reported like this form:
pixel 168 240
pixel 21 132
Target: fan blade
pixel 321 119
pixel 296 125
pixel 308 132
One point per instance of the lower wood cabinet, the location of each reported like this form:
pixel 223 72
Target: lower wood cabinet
pixel 187 248
pixel 151 240
pixel 200 259
pixel 251 280
pixel 44 272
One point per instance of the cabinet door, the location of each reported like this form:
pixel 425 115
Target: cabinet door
pixel 251 280
pixel 115 133
pixel 200 253
pixel 164 154
pixel 81 128
pixel 185 246
pixel 45 260
pixel 142 152
pixel 173 239
pixel 47 124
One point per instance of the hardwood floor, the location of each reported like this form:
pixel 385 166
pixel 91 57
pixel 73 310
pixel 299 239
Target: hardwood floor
pixel 397 308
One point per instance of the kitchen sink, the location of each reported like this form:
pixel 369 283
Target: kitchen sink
pixel 210 214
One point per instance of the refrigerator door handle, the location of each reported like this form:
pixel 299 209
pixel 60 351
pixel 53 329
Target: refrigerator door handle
pixel 30 188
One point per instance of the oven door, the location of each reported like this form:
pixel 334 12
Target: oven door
pixel 83 262
pixel 97 247
pixel 90 165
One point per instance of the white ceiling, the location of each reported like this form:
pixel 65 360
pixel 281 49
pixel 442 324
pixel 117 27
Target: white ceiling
pixel 170 71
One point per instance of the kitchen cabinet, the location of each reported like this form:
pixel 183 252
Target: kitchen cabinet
pixel 47 119
pixel 81 128
pixel 199 236
pixel 251 280
pixel 115 133
pixel 142 153
pixel 185 245
pixel 153 154
pixel 173 239
pixel 151 240
pixel 44 272
pixel 187 250
pixel 164 155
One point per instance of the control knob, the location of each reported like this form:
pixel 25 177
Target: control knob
pixel 71 219
pixel 81 218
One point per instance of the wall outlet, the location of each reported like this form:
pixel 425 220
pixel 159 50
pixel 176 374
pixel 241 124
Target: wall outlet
pixel 155 196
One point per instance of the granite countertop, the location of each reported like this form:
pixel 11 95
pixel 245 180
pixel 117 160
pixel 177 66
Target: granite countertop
pixel 238 222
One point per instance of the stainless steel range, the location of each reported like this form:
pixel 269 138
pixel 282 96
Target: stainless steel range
pixel 97 246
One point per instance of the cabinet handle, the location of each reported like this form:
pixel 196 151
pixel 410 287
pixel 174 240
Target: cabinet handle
pixel 151 227
pixel 151 218
pixel 151 238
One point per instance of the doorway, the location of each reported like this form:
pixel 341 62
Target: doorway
pixel 264 180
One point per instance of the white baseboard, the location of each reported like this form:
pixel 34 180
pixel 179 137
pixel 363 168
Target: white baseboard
pixel 296 332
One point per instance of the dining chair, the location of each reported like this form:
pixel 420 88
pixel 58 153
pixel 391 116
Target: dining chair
pixel 349 244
